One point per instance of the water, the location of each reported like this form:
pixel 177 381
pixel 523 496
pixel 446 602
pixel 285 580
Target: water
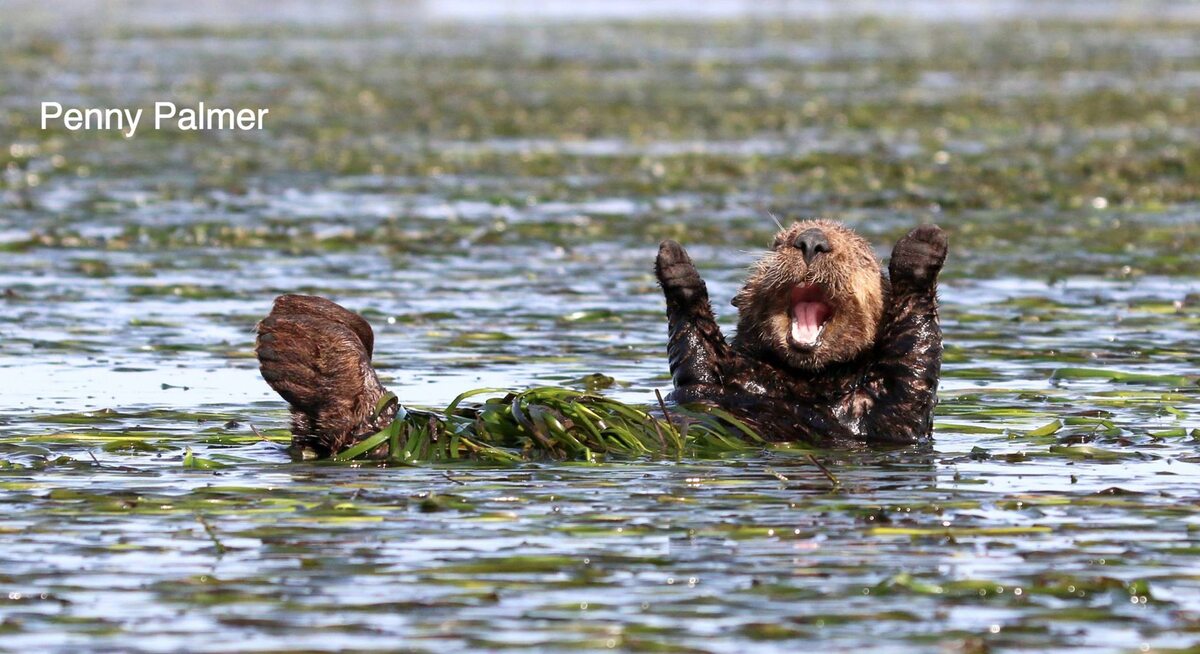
pixel 490 195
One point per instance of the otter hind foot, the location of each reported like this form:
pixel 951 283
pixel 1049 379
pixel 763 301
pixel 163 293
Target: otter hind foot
pixel 317 356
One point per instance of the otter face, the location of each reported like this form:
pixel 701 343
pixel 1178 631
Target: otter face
pixel 815 299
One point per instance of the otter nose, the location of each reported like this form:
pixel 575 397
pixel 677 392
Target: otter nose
pixel 811 242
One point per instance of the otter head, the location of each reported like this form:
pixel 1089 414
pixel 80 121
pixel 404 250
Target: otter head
pixel 814 299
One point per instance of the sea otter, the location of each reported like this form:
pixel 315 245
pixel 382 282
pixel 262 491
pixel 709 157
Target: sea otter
pixel 827 350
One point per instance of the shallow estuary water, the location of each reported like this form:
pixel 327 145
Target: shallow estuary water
pixel 490 195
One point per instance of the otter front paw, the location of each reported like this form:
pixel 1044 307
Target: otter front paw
pixel 918 257
pixel 680 280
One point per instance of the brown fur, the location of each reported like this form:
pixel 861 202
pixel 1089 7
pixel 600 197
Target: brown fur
pixel 317 356
pixel 872 375
pixel 851 278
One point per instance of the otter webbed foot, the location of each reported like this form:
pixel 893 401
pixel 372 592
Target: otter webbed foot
pixel 918 257
pixel 696 345
pixel 317 356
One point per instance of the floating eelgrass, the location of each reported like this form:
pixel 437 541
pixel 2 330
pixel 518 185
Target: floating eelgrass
pixel 551 423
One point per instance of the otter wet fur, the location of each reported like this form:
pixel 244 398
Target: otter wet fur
pixel 828 350
pixel 317 356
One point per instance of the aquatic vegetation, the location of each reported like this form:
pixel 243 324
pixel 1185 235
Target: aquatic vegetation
pixel 551 423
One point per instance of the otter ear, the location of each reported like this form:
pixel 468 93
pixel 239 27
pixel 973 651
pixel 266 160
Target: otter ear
pixel 740 299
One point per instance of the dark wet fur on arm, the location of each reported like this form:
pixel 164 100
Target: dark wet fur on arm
pixel 901 383
pixel 695 345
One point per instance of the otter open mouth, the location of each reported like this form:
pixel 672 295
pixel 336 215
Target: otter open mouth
pixel 809 311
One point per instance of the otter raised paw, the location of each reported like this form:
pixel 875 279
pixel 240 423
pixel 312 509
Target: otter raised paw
pixel 695 345
pixel 918 257
pixel 827 349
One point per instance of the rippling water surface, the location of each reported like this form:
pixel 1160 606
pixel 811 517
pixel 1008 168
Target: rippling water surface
pixel 490 196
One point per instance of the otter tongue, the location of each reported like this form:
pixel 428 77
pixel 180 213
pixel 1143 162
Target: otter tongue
pixel 807 319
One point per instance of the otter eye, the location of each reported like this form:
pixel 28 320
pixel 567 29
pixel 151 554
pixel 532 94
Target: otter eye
pixel 777 242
